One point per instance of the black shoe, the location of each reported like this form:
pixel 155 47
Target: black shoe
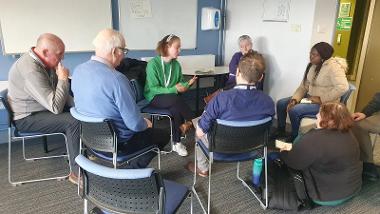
pixel 370 172
pixel 96 210
pixel 289 139
pixel 279 133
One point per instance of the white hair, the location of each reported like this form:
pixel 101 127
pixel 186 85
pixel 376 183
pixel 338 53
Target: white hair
pixel 245 38
pixel 107 40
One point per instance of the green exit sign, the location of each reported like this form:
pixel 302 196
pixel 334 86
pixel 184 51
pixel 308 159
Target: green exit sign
pixel 344 23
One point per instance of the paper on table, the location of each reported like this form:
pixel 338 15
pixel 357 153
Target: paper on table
pixel 204 71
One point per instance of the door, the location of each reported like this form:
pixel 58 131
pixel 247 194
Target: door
pixel 350 28
pixel 370 78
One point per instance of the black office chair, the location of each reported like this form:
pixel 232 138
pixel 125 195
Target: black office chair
pixel 152 111
pixel 231 141
pixel 14 134
pixel 98 138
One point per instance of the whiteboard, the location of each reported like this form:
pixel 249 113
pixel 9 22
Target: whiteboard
pixel 75 22
pixel 144 22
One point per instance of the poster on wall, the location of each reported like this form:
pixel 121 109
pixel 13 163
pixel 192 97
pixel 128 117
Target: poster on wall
pixel 344 9
pixel 140 9
pixel 276 10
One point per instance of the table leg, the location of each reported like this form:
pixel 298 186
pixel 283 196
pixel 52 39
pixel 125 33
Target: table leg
pixel 197 97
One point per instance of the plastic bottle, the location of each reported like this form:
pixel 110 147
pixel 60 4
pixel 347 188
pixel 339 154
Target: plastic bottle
pixel 257 166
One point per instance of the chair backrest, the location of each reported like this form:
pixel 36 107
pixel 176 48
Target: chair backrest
pixel 99 136
pixel 4 101
pixel 122 190
pixel 138 89
pixel 344 98
pixel 96 133
pixel 239 137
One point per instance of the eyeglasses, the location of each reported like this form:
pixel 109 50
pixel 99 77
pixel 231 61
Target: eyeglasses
pixel 124 50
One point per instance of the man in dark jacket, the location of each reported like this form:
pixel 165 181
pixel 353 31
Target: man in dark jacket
pixel 368 121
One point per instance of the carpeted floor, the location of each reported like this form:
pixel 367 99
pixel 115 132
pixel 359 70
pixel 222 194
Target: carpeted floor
pixel 228 195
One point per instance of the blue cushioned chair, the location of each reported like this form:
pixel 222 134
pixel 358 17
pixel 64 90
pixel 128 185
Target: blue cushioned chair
pixel 14 135
pixel 98 137
pixel 129 190
pixel 347 94
pixel 231 141
pixel 152 111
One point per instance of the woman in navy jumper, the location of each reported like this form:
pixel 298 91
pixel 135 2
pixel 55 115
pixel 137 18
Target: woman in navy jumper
pixel 245 45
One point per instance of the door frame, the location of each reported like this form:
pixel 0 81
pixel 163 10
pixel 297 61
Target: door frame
pixel 363 53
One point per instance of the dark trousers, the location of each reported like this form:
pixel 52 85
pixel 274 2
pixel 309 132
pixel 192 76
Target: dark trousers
pixel 141 140
pixel 177 107
pixel 47 122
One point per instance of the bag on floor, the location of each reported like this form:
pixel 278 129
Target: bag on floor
pixel 286 188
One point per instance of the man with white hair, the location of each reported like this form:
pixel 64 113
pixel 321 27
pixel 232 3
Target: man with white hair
pixel 103 92
pixel 38 91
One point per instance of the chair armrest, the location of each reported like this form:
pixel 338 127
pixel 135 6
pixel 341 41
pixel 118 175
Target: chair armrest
pixel 108 172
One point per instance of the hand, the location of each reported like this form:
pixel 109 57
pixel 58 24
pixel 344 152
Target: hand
pixel 291 104
pixel 315 99
pixel 180 88
pixel 192 80
pixel 62 72
pixel 199 132
pixel 148 123
pixel 357 116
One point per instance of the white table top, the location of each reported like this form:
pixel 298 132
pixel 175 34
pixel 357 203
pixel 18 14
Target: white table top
pixel 217 70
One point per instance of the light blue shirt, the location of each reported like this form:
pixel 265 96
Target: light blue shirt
pixel 101 91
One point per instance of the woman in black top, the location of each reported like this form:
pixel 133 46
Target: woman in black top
pixel 329 157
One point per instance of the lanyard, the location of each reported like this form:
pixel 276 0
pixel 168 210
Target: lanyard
pixel 247 87
pixel 163 71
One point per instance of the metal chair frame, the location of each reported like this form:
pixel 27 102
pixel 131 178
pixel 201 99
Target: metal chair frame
pixel 12 129
pixel 210 158
pixel 138 91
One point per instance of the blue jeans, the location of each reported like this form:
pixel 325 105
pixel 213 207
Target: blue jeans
pixel 296 114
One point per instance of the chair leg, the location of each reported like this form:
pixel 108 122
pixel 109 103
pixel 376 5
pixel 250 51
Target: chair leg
pixel 195 179
pixel 171 135
pixel 44 141
pixel 264 205
pixel 191 203
pixel 14 183
pixel 45 145
pixel 209 188
pixel 85 206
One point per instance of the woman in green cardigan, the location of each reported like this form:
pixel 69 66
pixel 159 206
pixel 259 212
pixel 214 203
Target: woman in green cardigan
pixel 164 83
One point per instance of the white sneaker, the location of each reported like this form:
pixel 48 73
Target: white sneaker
pixel 180 149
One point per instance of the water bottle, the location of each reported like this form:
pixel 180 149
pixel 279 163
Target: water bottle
pixel 257 167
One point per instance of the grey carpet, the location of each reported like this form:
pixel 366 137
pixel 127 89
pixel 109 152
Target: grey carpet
pixel 228 195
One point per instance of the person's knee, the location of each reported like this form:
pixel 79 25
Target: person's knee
pixel 281 105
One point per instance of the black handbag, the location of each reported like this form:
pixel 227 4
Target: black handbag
pixel 286 188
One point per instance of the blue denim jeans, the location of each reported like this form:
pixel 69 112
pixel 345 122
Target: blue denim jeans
pixel 296 114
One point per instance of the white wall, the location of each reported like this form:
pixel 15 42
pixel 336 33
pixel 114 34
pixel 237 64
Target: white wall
pixel 285 45
pixel 323 26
